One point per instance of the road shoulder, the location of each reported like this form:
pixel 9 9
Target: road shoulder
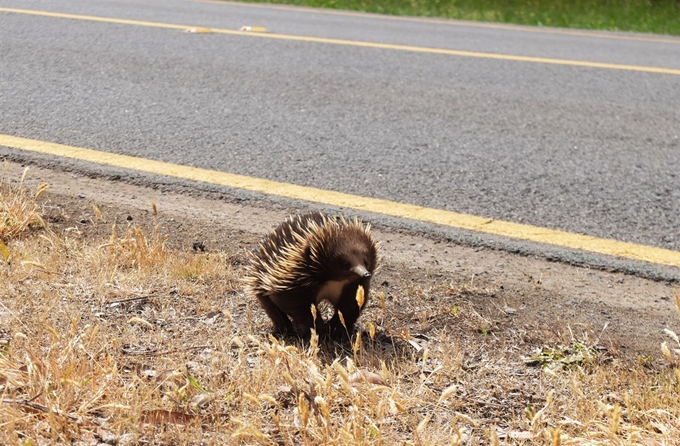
pixel 515 292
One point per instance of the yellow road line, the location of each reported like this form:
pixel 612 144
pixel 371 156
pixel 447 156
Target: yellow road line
pixel 358 43
pixel 451 22
pixel 437 216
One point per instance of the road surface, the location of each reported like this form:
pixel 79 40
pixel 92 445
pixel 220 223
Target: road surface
pixel 573 131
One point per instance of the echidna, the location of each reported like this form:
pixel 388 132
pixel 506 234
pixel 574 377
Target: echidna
pixel 310 258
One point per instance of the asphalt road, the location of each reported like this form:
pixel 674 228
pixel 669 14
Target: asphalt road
pixel 576 148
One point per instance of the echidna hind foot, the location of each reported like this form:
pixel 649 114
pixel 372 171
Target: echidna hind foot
pixel 308 259
pixel 282 325
pixel 292 317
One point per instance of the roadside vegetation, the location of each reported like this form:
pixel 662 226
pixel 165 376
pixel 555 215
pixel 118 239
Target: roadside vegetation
pixel 110 334
pixel 645 16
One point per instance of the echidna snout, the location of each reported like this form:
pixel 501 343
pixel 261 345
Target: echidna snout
pixel 361 271
pixel 308 259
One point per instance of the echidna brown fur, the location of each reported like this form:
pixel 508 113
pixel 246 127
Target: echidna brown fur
pixel 307 259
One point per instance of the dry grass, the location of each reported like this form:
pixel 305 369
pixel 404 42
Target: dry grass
pixel 125 340
pixel 18 209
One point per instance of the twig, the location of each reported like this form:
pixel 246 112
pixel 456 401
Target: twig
pixel 168 352
pixel 131 299
pixel 38 407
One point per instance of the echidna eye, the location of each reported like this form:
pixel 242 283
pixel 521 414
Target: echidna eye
pixel 346 266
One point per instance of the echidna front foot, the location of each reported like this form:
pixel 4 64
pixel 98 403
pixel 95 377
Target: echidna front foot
pixel 304 320
pixel 337 331
pixel 342 328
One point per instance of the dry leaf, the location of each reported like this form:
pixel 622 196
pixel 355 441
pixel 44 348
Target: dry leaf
pixel 366 376
pixel 4 252
pixel 201 400
pixel 415 345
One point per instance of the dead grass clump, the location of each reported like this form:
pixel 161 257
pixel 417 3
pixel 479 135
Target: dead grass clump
pixel 136 249
pixel 604 405
pixel 19 211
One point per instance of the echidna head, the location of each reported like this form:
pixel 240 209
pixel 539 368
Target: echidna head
pixel 352 257
pixel 347 253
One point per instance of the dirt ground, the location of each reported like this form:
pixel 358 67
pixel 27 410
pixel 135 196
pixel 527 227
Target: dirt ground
pixel 541 300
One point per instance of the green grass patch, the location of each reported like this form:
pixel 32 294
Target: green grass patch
pixel 647 16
